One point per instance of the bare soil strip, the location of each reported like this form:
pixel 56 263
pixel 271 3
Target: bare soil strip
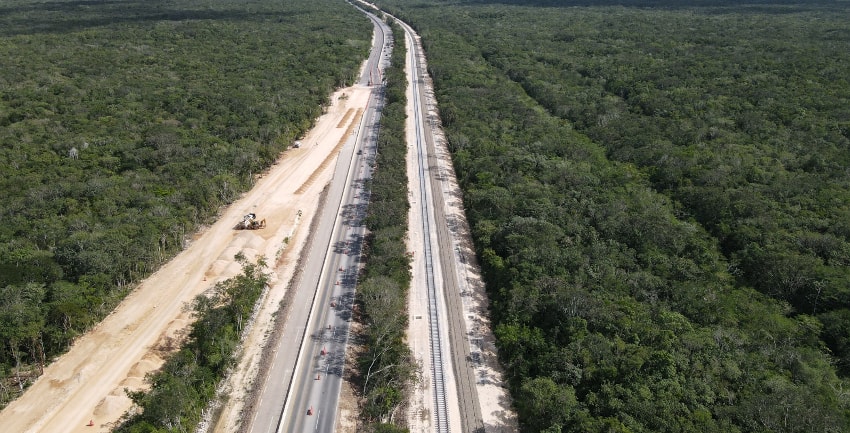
pixel 88 382
pixel 345 118
pixel 332 155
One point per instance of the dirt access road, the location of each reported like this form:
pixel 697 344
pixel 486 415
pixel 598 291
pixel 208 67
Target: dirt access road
pixel 88 382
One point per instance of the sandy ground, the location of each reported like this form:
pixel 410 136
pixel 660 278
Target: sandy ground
pixel 88 382
pixel 331 130
pixel 493 396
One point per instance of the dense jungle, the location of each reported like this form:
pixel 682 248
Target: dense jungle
pixel 660 196
pixel 125 126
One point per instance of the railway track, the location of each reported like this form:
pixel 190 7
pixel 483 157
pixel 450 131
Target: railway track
pixel 436 346
pixel 432 207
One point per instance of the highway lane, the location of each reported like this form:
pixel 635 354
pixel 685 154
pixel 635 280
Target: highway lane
pixel 304 381
pixel 313 401
pixel 378 59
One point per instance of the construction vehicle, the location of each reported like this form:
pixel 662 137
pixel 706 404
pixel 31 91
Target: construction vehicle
pixel 250 222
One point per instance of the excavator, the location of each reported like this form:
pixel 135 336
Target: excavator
pixel 250 222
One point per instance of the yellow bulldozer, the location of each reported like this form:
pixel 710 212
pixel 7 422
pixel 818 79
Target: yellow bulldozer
pixel 250 222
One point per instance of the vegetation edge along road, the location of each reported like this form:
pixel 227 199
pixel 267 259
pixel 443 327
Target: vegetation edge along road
pixel 386 368
pixel 123 129
pixel 613 309
pixel 188 380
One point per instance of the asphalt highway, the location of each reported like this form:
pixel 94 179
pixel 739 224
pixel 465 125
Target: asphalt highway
pixel 301 390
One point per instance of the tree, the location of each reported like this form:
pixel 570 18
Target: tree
pixel 22 322
pixel 549 406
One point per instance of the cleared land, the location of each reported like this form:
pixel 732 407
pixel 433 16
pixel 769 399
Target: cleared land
pixel 88 383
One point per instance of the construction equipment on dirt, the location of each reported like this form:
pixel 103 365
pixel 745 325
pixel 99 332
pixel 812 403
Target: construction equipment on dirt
pixel 250 222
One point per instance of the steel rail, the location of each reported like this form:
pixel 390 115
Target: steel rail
pixel 470 409
pixel 436 344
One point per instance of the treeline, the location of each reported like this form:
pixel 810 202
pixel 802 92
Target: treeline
pixel 639 257
pixel 124 126
pixel 741 117
pixel 185 385
pixel 386 367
